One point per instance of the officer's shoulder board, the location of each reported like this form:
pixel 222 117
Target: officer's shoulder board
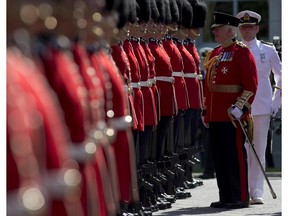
pixel 241 44
pixel 267 43
pixel 217 47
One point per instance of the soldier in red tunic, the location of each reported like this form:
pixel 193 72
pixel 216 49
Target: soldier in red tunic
pixel 190 68
pixel 199 16
pixel 178 74
pixel 117 114
pixel 135 78
pixel 150 113
pixel 165 84
pixel 78 113
pixel 230 88
pixel 52 149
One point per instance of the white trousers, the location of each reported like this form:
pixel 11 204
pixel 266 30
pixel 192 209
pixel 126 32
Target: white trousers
pixel 255 175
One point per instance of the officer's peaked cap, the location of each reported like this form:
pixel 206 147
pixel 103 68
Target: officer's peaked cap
pixel 249 17
pixel 225 19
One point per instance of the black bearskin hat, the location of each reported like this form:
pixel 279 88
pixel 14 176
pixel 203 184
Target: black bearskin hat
pixel 162 11
pixel 174 10
pixel 199 13
pixel 133 8
pixel 154 11
pixel 144 12
pixel 186 13
pixel 123 11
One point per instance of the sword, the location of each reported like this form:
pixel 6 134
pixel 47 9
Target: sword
pixel 257 158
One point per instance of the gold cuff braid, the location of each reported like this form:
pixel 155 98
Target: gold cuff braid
pixel 249 127
pixel 243 100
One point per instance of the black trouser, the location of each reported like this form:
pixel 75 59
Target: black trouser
pixel 207 154
pixel 162 129
pixel 176 127
pixel 144 138
pixel 136 145
pixel 191 118
pixel 230 161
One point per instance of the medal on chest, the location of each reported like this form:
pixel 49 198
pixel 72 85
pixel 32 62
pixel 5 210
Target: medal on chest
pixel 227 56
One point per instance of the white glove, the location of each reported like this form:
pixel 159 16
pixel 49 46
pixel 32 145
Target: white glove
pixel 276 103
pixel 206 125
pixel 236 112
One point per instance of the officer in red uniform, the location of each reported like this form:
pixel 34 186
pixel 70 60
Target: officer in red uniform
pixel 230 89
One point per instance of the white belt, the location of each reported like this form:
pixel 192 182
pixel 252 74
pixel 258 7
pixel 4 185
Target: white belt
pixel 121 123
pixel 199 77
pixel 136 85
pixel 79 152
pixel 178 74
pixel 190 75
pixel 153 80
pixel 145 83
pixel 165 79
pixel 128 89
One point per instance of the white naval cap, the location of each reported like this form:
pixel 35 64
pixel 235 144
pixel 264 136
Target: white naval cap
pixel 248 17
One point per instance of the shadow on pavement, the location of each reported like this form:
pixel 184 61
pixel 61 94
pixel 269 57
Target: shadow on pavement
pixel 194 211
pixel 207 211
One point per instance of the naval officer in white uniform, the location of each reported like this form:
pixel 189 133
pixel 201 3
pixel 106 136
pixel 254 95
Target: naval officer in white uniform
pixel 267 101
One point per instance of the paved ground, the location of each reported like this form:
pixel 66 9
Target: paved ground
pixel 203 195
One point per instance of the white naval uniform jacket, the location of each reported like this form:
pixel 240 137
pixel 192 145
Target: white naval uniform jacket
pixel 267 61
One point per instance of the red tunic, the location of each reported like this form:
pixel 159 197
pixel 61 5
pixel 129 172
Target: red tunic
pixel 105 166
pixel 135 76
pixel 190 46
pixel 65 78
pixel 121 60
pixel 165 81
pixel 190 70
pixel 53 149
pixel 152 79
pixel 122 143
pixel 177 66
pixel 236 67
pixel 150 115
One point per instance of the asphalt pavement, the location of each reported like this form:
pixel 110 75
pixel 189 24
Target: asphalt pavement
pixel 202 196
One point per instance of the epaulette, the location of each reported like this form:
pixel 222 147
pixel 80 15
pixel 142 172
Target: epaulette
pixel 241 44
pixel 267 43
pixel 217 46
